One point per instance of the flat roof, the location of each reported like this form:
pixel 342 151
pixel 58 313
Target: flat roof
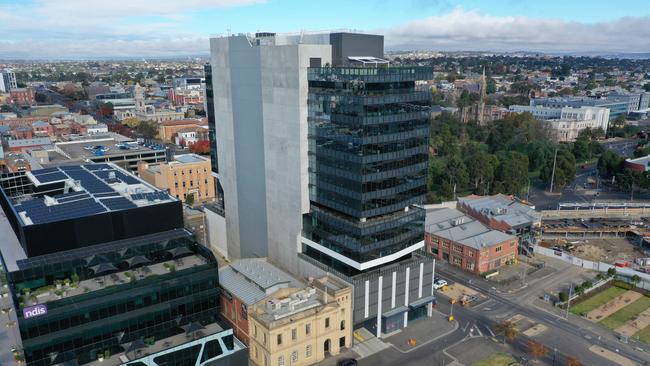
pixel 451 224
pixel 74 191
pixel 190 158
pixel 105 145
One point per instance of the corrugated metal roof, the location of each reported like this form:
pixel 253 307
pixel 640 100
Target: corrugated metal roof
pixel 453 225
pixel 251 279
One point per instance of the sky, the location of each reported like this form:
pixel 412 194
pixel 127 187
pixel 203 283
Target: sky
pixel 80 29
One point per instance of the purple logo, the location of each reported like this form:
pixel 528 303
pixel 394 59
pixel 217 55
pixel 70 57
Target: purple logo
pixel 36 310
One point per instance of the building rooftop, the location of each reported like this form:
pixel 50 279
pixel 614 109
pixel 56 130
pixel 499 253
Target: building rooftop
pixel 644 160
pixel 102 145
pixel 253 279
pixel 503 208
pixel 80 190
pixel 451 224
pixel 288 302
pixel 190 158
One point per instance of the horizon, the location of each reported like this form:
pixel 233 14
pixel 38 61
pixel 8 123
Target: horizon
pixel 91 30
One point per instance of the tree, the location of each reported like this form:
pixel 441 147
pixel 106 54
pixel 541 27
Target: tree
pixel 509 330
pixel 572 361
pixel 491 86
pixel 646 87
pixel 512 172
pixel 147 129
pixel 565 169
pixel 611 272
pixel 609 163
pixel 536 349
pixel 189 199
pixel 201 147
pixel 131 122
pixel 5 108
pixel 105 109
pixel 635 280
pixel 581 148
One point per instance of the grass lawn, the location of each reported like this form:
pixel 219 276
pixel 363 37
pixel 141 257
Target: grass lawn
pixel 496 359
pixel 644 335
pixel 597 300
pixel 627 313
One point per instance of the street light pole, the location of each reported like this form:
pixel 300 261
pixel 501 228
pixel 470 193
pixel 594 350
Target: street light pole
pixel 553 172
pixel 568 302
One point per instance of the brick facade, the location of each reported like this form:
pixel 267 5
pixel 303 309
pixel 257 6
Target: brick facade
pixel 472 259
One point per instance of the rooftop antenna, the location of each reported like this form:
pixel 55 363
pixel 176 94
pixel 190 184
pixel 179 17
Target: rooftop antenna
pixel 228 32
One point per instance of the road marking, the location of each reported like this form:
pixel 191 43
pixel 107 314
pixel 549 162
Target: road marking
pixel 465 327
pixel 479 331
pixel 490 330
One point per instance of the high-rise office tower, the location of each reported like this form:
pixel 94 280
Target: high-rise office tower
pixel 322 155
pixel 7 80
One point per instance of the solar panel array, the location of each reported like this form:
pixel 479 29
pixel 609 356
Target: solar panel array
pixel 151 196
pixel 40 213
pixel 96 197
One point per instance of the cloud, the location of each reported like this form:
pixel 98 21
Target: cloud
pixel 70 29
pixel 100 28
pixel 471 30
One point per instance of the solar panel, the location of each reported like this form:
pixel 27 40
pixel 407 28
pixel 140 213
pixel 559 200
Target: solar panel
pixel 68 168
pixel 120 203
pixel 107 194
pixel 51 177
pixel 44 171
pixel 99 166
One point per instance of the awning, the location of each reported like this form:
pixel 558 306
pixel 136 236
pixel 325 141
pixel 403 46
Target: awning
pixel 396 311
pixel 421 301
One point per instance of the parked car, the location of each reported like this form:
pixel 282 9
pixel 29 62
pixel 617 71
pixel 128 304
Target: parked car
pixel 440 283
pixel 347 362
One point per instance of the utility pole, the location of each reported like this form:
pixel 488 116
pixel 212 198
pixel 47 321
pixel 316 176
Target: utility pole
pixel 568 302
pixel 528 190
pixel 553 172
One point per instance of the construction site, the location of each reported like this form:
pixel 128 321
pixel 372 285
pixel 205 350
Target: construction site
pixel 618 235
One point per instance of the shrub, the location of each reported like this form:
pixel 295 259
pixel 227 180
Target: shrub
pixel 587 285
pixel 563 296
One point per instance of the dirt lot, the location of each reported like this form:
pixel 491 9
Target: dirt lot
pixel 604 250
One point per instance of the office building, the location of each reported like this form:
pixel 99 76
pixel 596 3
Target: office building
pixel 183 176
pixel 7 81
pixel 616 107
pixel 564 124
pixel 101 271
pixel 467 243
pixel 337 139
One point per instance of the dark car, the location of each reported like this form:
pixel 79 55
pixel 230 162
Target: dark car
pixel 347 362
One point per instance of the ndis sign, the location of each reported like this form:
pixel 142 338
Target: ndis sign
pixel 36 310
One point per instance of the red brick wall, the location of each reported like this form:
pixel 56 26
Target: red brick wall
pixel 483 260
pixel 634 166
pixel 232 311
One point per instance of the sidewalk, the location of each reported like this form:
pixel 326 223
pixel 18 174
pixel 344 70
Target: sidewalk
pixel 424 331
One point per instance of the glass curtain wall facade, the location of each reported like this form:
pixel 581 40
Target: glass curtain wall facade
pixel 106 317
pixel 368 138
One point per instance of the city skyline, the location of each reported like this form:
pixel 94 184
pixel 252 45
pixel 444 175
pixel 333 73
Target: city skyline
pixel 140 29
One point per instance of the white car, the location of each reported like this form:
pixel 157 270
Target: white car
pixel 438 284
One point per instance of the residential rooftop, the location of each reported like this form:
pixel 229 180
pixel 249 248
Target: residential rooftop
pixel 644 160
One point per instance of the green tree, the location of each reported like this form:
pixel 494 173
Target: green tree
pixel 512 172
pixel 565 169
pixel 147 129
pixel 609 163
pixel 635 280
pixel 580 149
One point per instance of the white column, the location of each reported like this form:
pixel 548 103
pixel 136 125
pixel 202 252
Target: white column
pixel 381 285
pixel 406 295
pixel 420 280
pixel 392 295
pixel 367 300
pixel 433 275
